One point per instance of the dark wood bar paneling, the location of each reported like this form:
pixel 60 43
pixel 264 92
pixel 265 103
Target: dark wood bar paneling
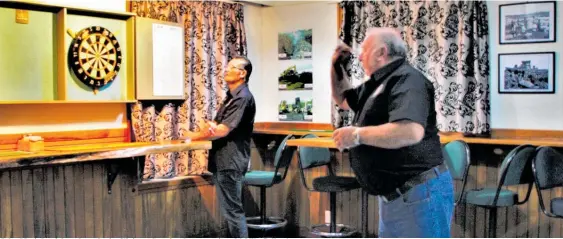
pixel 73 201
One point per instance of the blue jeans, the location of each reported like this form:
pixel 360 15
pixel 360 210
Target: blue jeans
pixel 228 185
pixel 425 211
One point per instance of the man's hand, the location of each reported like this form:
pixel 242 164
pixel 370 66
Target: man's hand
pixel 211 127
pixel 344 137
pixel 208 128
pixel 341 54
pixel 338 78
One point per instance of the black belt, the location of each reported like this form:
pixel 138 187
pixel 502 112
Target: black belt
pixel 411 183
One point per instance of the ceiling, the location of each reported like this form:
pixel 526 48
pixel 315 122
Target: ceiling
pixel 281 3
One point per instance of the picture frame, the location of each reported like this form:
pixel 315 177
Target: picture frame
pixel 295 106
pixel 526 73
pixel 527 22
pixel 295 45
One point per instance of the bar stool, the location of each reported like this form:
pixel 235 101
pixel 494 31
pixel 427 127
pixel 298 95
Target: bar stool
pixel 312 157
pixel 457 157
pixel 266 179
pixel 547 167
pixel 514 170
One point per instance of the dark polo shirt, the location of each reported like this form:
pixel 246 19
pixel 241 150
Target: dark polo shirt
pixel 393 93
pixel 237 112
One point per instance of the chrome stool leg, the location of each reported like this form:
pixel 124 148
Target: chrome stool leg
pixel 333 229
pixel 263 222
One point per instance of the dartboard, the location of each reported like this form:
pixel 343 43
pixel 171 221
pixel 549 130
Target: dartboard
pixel 95 56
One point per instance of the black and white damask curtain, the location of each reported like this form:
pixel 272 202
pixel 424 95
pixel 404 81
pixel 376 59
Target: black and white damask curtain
pixel 447 41
pixel 214 34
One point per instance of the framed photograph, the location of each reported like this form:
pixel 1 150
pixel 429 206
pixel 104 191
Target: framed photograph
pixel 529 22
pixel 529 72
pixel 295 106
pixel 297 76
pixel 295 45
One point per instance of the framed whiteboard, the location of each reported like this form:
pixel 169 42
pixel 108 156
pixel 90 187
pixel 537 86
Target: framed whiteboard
pixel 160 60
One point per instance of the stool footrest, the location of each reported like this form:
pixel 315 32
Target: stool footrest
pixel 269 223
pixel 342 230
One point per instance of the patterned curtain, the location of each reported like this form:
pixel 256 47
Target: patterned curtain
pixel 214 33
pixel 447 41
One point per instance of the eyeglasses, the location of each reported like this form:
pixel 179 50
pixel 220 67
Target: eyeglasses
pixel 234 67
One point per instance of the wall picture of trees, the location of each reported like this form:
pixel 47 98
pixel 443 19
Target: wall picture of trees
pixel 295 45
pixel 296 107
pixel 296 77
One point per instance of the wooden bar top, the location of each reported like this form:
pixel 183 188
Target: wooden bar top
pixel 93 152
pixel 321 142
pixel 296 132
pixel 326 142
pixel 297 129
pixel 497 137
pixel 500 140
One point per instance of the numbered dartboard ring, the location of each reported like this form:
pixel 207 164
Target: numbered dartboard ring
pixel 95 56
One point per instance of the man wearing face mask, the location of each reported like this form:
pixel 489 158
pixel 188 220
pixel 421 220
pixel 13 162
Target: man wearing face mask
pixel 230 134
pixel 395 149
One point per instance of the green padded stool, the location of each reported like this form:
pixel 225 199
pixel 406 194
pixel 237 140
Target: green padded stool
pixel 547 167
pixel 458 159
pixel 312 157
pixel 515 170
pixel 266 179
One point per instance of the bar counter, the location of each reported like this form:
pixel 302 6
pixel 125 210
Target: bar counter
pixel 94 190
pixel 487 153
pixel 92 152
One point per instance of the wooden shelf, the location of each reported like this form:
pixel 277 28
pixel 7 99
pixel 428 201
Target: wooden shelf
pixel 39 6
pixel 36 102
pixel 66 91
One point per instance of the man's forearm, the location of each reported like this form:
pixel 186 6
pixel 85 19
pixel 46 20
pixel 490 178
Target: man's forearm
pixel 195 136
pixel 339 83
pixel 219 132
pixel 391 135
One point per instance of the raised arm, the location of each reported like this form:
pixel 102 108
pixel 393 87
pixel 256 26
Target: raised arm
pixel 338 77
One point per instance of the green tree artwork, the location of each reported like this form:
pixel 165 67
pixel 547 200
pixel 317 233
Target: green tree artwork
pixel 295 45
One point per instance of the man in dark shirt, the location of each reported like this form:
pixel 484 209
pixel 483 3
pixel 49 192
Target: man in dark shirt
pixel 395 149
pixel 230 133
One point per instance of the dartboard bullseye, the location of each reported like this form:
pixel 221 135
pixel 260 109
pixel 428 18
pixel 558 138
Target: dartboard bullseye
pixel 94 56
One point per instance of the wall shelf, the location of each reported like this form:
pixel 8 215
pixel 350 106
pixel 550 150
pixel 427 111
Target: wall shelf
pixel 33 102
pixel 46 78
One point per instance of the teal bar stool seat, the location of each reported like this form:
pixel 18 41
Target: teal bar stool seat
pixel 514 170
pixel 458 159
pixel 266 179
pixel 547 167
pixel 313 157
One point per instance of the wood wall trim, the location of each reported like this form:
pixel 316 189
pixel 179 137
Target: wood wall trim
pixel 292 126
pixel 62 63
pixel 159 185
pixel 128 6
pixel 526 133
pixel 282 128
pixel 79 137
pixel 339 17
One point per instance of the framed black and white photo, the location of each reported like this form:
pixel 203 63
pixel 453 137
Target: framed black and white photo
pixel 531 72
pixel 529 22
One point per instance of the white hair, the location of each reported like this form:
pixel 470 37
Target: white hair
pixel 392 40
pixel 396 47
